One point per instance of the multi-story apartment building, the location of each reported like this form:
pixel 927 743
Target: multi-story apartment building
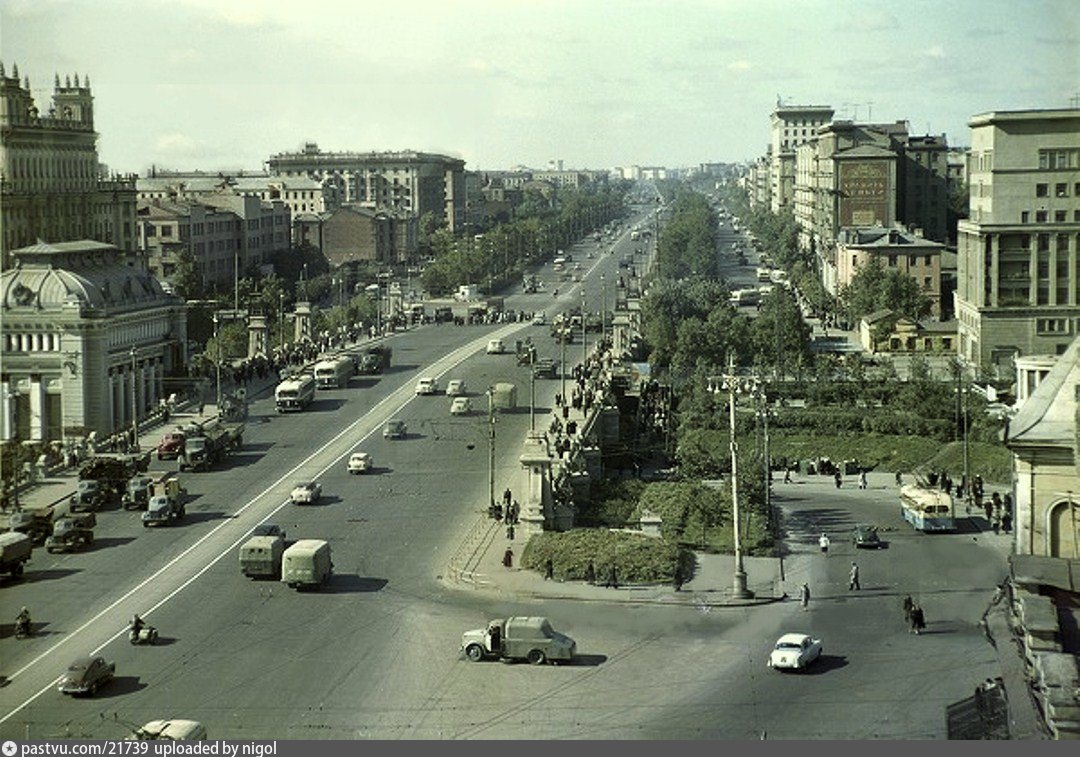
pixel 1018 266
pixel 792 125
pixel 51 185
pixel 396 182
pixel 228 234
pixel 923 195
pixel 300 194
pixel 896 249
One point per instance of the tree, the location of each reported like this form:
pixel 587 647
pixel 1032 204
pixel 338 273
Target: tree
pixel 187 279
pixel 874 288
pixel 780 335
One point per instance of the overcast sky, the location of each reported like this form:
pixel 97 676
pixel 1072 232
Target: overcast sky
pixel 216 84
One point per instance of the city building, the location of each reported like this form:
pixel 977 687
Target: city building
pixel 1018 269
pixel 886 332
pixel 354 234
pixel 411 182
pixel 88 341
pixel 791 126
pixel 1043 439
pixel 52 187
pixel 895 249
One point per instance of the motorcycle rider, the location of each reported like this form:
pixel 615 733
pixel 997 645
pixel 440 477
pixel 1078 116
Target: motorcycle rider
pixel 22 622
pixel 137 625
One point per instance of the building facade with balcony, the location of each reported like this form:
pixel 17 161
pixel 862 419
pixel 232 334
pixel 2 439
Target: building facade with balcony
pixel 51 185
pixel 87 342
pixel 411 182
pixel 1018 267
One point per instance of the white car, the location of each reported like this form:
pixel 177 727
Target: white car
pixel 455 388
pixel 539 319
pixel 307 493
pixel 427 385
pixel 359 462
pixel 496 347
pixel 794 651
pixel 461 406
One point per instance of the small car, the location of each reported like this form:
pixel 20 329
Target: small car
pixel 496 347
pixel 359 462
pixel 268 529
pixel 539 319
pixel 864 536
pixel 85 675
pixel 427 385
pixel 794 651
pixel 394 429
pixel 455 388
pixel 307 493
pixel 461 406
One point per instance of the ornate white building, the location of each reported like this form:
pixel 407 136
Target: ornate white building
pixel 84 339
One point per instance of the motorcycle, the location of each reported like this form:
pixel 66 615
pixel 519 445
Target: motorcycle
pixel 23 628
pixel 145 635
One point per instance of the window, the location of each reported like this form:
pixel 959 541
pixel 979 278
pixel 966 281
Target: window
pixel 892 262
pixel 911 261
pixel 1042 190
pixel 926 260
pixel 1076 216
pixel 1040 216
pixel 1059 216
pixel 1061 190
pixel 926 282
pixel 1046 326
pixel 1025 216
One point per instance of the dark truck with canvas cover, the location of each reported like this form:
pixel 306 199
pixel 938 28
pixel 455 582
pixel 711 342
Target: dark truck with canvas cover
pixel 163 511
pixel 71 534
pixel 142 486
pixel 103 480
pixel 375 360
pixel 211 444
pixel 518 638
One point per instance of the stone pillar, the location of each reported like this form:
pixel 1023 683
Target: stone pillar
pixel 37 408
pixel 650 523
pixel 8 389
pixel 302 321
pixel 258 336
pixel 537 506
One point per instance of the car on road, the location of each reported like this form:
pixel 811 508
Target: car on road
pixel 539 319
pixel 455 388
pixel 794 651
pixel 268 529
pixel 360 462
pixel 427 385
pixel 865 536
pixel 306 493
pixel 461 406
pixel 85 675
pixel 394 429
pixel 496 347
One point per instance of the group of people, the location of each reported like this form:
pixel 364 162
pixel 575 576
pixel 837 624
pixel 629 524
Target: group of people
pixel 914 616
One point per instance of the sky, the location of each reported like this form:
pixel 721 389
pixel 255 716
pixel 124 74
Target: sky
pixel 225 84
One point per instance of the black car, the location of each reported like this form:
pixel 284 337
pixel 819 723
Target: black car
pixel 86 675
pixel 268 529
pixel 864 536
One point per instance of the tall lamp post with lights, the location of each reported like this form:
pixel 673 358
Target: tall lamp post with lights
pixel 733 384
pixel 134 402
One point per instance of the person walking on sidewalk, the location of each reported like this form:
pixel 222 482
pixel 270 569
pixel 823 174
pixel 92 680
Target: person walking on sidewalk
pixel 853 578
pixel 909 605
pixel 838 478
pixel 918 620
pixel 823 542
pixel 862 479
pixel 804 595
pixel 549 569
pixel 612 578
pixel 508 558
pixel 590 573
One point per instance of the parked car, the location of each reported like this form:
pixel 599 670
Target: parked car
pixel 307 493
pixel 864 536
pixel 85 675
pixel 427 385
pixel 359 462
pixel 461 406
pixel 394 429
pixel 455 388
pixel 794 651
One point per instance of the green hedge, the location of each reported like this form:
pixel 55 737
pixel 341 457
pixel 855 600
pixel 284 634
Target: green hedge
pixel 637 559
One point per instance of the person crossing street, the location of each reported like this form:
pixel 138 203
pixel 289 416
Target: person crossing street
pixel 853 578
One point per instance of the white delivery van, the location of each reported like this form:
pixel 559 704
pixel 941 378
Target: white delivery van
pixel 306 564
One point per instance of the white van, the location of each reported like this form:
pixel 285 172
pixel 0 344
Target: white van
pixel 306 564
pixel 496 347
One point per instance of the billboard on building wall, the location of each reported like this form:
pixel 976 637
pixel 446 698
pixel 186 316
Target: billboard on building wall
pixel 864 193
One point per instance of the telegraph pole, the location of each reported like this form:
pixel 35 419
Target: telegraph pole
pixel 491 448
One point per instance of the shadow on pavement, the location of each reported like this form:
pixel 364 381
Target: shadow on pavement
pixel 203 517
pixel 120 686
pixel 105 542
pixel 826 664
pixel 33 576
pixel 588 660
pixel 345 583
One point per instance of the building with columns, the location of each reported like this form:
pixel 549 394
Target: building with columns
pixel 1018 265
pixel 51 185
pixel 86 341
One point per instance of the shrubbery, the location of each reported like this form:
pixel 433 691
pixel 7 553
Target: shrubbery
pixel 637 558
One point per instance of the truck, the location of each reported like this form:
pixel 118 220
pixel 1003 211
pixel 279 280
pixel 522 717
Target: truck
pixel 504 396
pixel 529 284
pixel 72 533
pixel 518 638
pixel 261 556
pixel 15 549
pixel 212 444
pixel 36 525
pixel 103 480
pixel 375 360
pixel 334 373
pixel 163 511
pixel 294 393
pixel 306 564
pixel 467 293
pixel 545 368
pixel 142 486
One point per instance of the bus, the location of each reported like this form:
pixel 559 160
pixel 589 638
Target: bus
pixel 927 510
pixel 334 373
pixel 294 393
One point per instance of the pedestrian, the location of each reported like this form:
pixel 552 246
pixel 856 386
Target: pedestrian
pixel 853 578
pixel 515 511
pixel 823 542
pixel 590 573
pixel 508 558
pixel 994 505
pixel 202 404
pixel 862 479
pixel 612 578
pixel 918 619
pixel 549 569
pixel 909 604
pixel 498 513
pixel 804 595
pixel 899 479
pixel 787 476
pixel 510 532
pixel 677 575
pixel 1006 521
pixel 838 478
pixel 507 497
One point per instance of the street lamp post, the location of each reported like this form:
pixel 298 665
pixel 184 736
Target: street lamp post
pixel 564 332
pixel 217 361
pixel 13 398
pixel 584 339
pixel 491 448
pixel 134 403
pixel 532 390
pixel 603 310
pixel 281 318
pixel 731 382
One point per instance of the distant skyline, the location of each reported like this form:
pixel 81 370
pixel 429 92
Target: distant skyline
pixel 211 85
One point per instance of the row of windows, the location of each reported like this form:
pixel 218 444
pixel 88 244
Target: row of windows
pixel 1061 189
pixel 1059 159
pixel 1053 326
pixel 1043 216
